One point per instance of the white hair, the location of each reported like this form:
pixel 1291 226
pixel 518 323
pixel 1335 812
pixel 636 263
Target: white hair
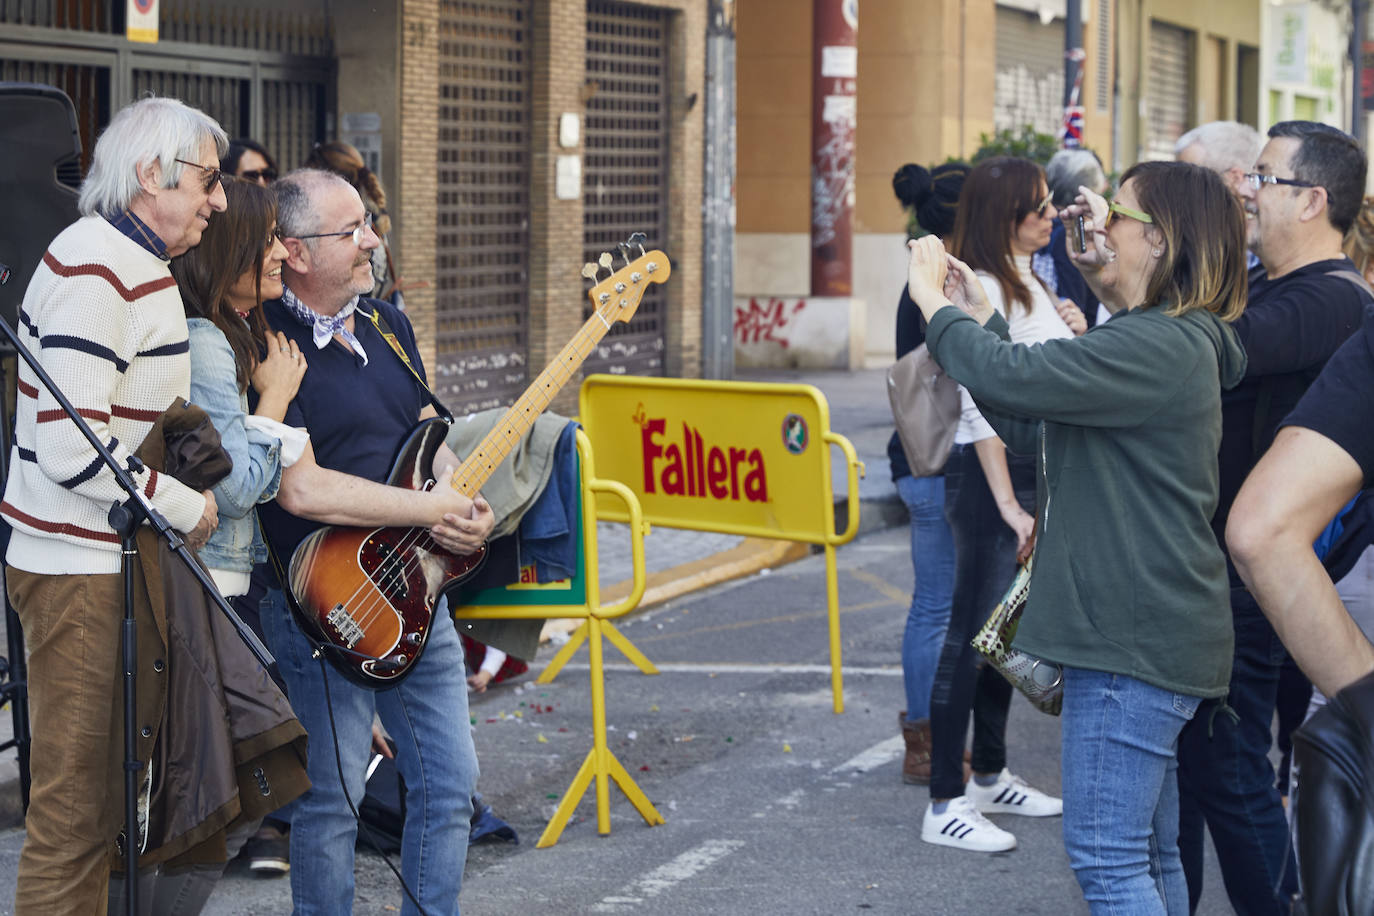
pixel 1069 169
pixel 150 130
pixel 1225 145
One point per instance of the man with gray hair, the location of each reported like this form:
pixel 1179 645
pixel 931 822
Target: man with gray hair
pixel 1065 173
pixel 1228 148
pixel 364 392
pixel 104 317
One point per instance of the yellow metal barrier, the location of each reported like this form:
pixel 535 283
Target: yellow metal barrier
pixel 600 764
pixel 747 458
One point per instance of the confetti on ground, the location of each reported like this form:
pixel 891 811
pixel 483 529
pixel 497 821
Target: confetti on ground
pixel 491 720
pixel 552 795
pixel 653 708
pixel 541 739
pixel 562 728
pixel 519 714
pixel 729 740
pixel 787 748
pixel 644 769
pixel 633 736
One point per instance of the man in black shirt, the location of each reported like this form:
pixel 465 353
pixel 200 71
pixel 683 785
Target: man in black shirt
pixel 1321 458
pixel 1304 193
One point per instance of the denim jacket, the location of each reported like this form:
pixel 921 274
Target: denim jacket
pixel 236 544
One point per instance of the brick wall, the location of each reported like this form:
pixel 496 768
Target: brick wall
pixel 419 184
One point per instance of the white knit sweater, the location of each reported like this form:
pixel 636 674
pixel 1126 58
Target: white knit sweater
pixel 105 319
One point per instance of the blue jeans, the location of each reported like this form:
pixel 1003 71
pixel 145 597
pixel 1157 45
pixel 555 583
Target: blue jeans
pixel 1226 779
pixel 427 716
pixel 932 561
pixel 1120 741
pixel 984 562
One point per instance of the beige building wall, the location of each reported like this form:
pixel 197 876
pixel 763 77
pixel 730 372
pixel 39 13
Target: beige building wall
pixel 924 94
pixel 1223 31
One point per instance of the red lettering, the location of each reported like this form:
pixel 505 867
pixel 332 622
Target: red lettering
pixel 756 484
pixel 694 468
pixel 687 449
pixel 716 472
pixel 652 450
pixel 672 474
pixel 736 456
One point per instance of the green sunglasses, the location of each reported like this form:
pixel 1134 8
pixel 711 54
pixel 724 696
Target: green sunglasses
pixel 1115 209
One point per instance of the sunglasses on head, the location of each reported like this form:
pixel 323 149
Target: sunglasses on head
pixel 212 174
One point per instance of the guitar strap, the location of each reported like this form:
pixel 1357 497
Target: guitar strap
pixel 375 315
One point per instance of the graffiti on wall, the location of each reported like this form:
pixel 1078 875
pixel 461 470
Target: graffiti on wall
pixel 1023 96
pixel 770 322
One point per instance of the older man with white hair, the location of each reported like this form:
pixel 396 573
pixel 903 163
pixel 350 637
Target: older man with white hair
pixel 105 319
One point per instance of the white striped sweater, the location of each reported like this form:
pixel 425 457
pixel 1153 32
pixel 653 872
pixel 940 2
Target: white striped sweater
pixel 105 319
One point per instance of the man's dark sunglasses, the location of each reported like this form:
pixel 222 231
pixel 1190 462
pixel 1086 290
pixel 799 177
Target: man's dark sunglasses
pixel 212 174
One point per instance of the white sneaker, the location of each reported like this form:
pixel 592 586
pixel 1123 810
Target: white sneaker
pixel 1011 795
pixel 963 827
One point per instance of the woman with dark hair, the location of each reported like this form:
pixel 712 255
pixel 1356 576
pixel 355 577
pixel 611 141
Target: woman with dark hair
pixel 249 160
pixel 223 283
pixel 1125 423
pixel 931 197
pixel 1005 215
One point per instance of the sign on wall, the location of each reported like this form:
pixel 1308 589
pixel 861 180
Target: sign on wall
pixel 140 20
pixel 1289 43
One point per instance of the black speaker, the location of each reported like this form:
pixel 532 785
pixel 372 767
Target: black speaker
pixel 40 171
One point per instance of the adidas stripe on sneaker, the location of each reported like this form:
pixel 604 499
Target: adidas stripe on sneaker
pixel 962 826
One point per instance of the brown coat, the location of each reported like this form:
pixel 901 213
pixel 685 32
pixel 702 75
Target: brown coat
pixel 226 746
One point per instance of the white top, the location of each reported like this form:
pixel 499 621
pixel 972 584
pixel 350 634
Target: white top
pixel 1041 324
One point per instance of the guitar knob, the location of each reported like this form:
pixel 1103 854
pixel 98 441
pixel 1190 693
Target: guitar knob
pixel 413 639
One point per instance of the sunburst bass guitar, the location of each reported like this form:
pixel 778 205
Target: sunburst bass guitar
pixel 370 593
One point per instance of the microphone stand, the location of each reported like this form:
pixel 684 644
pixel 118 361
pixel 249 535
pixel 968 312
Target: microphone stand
pixel 125 519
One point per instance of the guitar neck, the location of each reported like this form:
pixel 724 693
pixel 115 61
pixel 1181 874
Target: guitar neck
pixel 518 420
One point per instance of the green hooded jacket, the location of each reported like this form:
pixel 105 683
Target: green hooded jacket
pixel 1129 578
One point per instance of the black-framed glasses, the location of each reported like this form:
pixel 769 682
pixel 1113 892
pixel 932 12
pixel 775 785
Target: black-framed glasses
pixel 358 234
pixel 212 174
pixel 265 176
pixel 1260 179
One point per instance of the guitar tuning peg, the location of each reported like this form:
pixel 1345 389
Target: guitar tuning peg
pixel 637 239
pixel 589 270
pixel 605 260
pixel 624 252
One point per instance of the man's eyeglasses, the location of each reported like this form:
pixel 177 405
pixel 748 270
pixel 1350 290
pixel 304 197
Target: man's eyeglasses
pixel 212 174
pixel 1115 209
pixel 358 234
pixel 1044 204
pixel 265 176
pixel 1260 179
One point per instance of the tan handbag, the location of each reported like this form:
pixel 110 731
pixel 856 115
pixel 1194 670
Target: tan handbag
pixel 1042 682
pixel 925 407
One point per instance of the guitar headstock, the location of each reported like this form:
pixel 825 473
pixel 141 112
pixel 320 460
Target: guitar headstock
pixel 617 297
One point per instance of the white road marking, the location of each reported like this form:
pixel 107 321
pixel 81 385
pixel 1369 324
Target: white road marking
pixel 879 754
pixel 670 874
pixel 730 668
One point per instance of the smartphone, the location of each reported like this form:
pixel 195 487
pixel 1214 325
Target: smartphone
pixel 1080 241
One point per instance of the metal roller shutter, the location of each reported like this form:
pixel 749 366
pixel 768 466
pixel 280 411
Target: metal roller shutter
pixel 482 261
pixel 1170 87
pixel 1030 72
pixel 625 181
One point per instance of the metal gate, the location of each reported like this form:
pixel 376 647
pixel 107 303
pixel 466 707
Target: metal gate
pixel 625 177
pixel 1170 88
pixel 482 248
pixel 261 72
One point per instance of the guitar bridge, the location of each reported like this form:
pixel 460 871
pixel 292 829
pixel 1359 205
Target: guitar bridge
pixel 344 624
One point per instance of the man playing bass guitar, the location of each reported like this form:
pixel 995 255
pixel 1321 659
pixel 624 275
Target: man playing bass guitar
pixel 358 400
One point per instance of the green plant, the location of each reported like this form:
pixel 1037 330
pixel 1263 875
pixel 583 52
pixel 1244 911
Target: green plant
pixel 1027 143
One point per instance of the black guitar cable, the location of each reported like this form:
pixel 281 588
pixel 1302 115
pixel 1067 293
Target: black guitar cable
pixel 343 784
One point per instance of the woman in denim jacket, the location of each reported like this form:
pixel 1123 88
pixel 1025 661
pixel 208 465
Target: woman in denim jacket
pixel 223 282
